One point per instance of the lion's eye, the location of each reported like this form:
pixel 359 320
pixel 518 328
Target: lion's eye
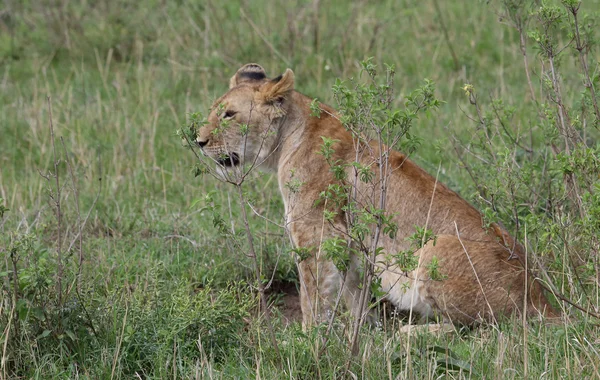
pixel 229 114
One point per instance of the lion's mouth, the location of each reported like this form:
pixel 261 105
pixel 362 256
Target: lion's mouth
pixel 230 160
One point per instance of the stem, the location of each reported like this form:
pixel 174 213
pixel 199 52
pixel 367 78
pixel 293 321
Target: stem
pixel 369 268
pixel 446 37
pixel 315 20
pixel 79 223
pixel 14 259
pixel 562 116
pixel 6 334
pixel 566 131
pixel 261 287
pixel 57 196
pixel 510 137
pixel 119 342
pixel 526 62
pixel 580 48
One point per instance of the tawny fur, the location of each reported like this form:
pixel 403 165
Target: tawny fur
pixel 483 279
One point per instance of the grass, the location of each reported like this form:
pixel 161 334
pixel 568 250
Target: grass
pixel 161 294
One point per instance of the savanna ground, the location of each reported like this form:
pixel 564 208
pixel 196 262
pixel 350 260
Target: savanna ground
pixel 110 262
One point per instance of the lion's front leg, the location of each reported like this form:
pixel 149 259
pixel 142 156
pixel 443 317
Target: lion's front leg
pixel 320 283
pixel 320 280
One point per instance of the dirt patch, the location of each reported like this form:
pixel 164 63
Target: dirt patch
pixel 285 297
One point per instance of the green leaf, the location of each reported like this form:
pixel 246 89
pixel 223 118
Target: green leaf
pixel 22 309
pixel 443 351
pixel 37 313
pixel 455 365
pixel 44 334
pixel 71 335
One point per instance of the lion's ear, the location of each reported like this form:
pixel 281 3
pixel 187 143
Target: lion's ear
pixel 248 73
pixel 277 88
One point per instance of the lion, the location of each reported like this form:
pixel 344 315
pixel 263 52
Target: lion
pixel 482 271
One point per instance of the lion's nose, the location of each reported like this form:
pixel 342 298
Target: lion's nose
pixel 201 143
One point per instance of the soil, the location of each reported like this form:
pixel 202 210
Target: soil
pixel 285 297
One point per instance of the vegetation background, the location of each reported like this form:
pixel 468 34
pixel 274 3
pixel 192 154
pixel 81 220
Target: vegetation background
pixel 111 260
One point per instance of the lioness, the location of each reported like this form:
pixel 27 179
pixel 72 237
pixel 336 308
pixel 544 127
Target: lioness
pixel 270 124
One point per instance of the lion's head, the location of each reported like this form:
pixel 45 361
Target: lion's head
pixel 243 124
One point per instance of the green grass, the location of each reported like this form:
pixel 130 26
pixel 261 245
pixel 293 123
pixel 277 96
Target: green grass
pixel 161 294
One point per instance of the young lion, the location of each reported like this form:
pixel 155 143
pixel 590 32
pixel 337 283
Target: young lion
pixel 270 125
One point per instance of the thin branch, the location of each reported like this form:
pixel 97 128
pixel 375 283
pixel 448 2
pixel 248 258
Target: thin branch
pixel 446 36
pixel 582 59
pixel 57 204
pixel 511 138
pixel 261 287
pixel 79 224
